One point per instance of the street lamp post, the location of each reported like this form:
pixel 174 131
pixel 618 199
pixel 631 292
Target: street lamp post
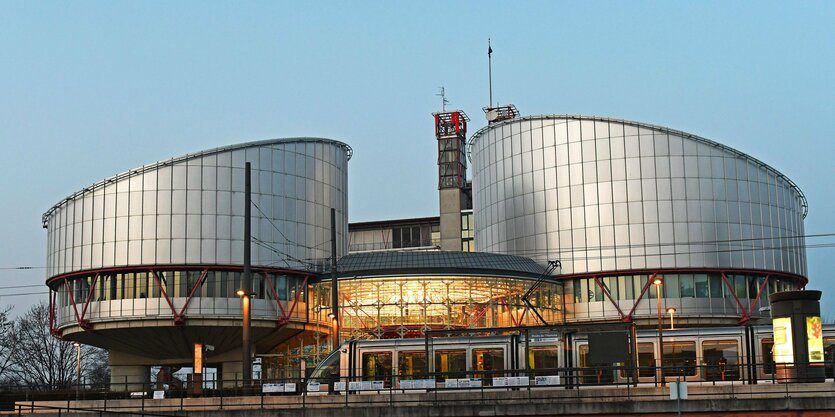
pixel 246 282
pixel 671 311
pixel 657 282
pixel 77 368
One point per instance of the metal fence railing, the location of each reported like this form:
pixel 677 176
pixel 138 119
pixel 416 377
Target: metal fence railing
pixel 565 384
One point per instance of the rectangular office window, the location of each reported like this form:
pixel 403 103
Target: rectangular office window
pixel 411 365
pixel 450 364
pixel 701 284
pixel 376 366
pixel 721 358
pixel 679 358
pixel 686 285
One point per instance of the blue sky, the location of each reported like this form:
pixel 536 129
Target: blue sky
pixel 91 89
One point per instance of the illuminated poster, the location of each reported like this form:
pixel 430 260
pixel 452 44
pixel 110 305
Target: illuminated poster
pixel 783 350
pixel 815 338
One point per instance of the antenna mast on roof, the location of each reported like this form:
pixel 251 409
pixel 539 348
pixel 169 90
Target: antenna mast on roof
pixel 490 71
pixel 498 113
pixel 444 101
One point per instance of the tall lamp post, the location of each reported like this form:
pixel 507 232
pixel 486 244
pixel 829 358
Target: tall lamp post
pixel 657 282
pixel 246 288
pixel 77 368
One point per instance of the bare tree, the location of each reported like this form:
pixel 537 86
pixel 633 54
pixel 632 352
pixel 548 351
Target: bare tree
pixel 7 343
pixel 41 361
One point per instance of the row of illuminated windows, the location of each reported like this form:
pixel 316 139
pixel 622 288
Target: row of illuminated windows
pixel 176 283
pixel 467 225
pixel 712 285
pixel 414 236
pixel 719 359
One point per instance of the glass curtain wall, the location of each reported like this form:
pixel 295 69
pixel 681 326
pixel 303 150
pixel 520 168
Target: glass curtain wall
pixel 403 307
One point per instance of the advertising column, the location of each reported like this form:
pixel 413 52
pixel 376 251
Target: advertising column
pixel 798 338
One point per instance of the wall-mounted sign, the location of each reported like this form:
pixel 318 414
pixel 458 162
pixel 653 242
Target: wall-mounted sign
pixel 783 350
pixel 814 335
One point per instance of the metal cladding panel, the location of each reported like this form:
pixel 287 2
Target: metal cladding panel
pixel 606 195
pixel 189 210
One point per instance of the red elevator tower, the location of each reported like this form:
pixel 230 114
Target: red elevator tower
pixel 451 133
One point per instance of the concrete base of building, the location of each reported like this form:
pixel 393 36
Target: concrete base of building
pixel 232 374
pixel 130 378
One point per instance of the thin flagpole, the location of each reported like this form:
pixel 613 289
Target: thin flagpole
pixel 490 71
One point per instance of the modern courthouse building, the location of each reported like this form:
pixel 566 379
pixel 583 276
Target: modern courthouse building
pixel 146 264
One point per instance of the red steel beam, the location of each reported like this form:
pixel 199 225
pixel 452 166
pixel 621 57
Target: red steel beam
pixel 90 295
pixel 143 268
pixel 271 286
pixel 733 293
pixel 609 296
pixel 747 316
pixel 164 294
pixel 180 318
pixel 628 317
pixel 53 329
pixel 298 294
pixel 72 301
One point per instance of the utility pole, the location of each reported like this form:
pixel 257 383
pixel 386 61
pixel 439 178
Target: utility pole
pixel 334 315
pixel 246 290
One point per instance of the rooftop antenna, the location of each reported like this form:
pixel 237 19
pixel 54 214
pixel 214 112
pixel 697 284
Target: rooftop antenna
pixel 498 113
pixel 490 71
pixel 444 101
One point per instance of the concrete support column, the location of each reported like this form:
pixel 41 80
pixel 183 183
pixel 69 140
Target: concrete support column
pixel 232 374
pixel 128 378
pixel 450 201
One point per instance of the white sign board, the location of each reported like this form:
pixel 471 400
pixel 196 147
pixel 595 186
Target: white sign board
pixel 339 386
pixel 678 390
pixel 417 384
pixel 159 395
pixel 267 388
pixel 545 380
pixel 314 386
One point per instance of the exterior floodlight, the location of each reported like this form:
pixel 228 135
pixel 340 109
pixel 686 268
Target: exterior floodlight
pixel 241 292
pixel 331 315
pixel 658 281
pixel 672 311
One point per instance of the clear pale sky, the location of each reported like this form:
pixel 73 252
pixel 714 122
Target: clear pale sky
pixel 92 89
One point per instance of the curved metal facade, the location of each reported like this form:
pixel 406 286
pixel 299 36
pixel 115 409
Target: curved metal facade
pixel 189 210
pixel 605 196
pixel 165 241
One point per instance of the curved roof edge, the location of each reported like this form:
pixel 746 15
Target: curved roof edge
pixel 407 263
pixel 803 202
pixel 186 157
